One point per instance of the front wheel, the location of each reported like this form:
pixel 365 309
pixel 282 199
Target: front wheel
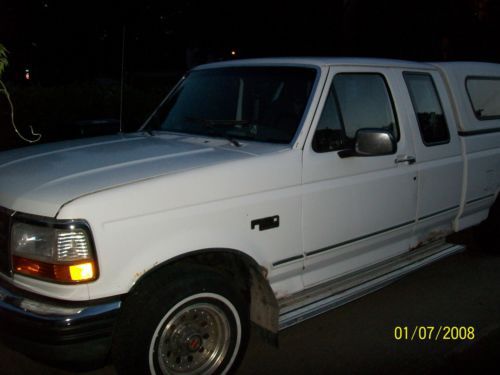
pixel 201 334
pixel 195 324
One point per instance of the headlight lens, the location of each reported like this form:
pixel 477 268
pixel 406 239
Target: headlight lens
pixel 46 243
pixel 62 253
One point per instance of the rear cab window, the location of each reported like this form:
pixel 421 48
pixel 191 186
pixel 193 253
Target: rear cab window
pixel 428 109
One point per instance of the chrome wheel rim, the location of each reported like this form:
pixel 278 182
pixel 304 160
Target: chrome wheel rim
pixel 194 341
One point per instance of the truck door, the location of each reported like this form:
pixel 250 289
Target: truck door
pixel 357 210
pixel 438 155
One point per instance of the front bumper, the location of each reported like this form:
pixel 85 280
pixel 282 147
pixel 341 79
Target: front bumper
pixel 55 331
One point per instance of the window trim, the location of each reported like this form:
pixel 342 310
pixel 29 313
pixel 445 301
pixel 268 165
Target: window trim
pixel 480 78
pixel 427 144
pixel 340 117
pixel 332 89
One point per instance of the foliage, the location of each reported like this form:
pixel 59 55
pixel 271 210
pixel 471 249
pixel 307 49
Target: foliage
pixel 55 110
pixel 3 59
pixel 3 64
pixel 56 107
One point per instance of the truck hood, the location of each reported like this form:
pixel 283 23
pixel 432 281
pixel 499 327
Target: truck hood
pixel 40 179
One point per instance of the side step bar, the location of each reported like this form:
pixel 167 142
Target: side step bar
pixel 319 299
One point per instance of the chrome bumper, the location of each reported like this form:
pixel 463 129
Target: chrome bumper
pixel 56 331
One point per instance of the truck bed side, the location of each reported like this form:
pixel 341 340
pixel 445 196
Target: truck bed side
pixel 468 85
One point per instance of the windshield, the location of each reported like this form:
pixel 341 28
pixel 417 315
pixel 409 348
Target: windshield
pixel 255 103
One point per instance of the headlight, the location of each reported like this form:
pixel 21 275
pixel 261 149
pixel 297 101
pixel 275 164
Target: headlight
pixel 53 250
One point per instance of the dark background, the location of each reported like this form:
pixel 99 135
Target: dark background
pixel 73 50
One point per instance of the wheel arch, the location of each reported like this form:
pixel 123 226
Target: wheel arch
pixel 247 274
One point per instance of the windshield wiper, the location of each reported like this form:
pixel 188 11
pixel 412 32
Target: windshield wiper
pixel 212 125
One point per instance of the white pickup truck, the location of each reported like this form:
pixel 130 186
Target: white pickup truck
pixel 263 191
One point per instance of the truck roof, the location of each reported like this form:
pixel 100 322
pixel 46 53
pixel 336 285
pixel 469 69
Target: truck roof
pixel 455 74
pixel 457 67
pixel 320 61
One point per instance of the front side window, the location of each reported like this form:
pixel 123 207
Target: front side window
pixel 255 103
pixel 428 109
pixel 355 101
pixel 484 94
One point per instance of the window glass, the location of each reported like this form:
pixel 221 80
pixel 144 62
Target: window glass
pixel 329 134
pixel 484 94
pixel 355 101
pixel 264 104
pixel 427 107
pixel 364 103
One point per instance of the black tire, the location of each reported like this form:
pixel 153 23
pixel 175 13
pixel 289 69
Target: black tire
pixel 181 320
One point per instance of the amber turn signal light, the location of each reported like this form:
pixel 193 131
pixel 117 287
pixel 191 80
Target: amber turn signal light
pixel 62 273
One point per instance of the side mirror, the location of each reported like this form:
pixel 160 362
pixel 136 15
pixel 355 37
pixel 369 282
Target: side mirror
pixel 371 142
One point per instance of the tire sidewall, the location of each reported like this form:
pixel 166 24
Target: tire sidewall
pixel 232 314
pixel 158 297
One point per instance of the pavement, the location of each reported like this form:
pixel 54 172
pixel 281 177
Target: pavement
pixel 462 290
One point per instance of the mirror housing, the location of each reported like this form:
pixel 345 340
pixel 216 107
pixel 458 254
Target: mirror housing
pixel 371 142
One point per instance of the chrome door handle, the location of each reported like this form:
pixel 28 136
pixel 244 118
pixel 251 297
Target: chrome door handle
pixel 405 159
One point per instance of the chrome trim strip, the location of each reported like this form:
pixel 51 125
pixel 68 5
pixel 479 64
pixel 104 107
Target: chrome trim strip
pixel 480 198
pixel 316 307
pixel 318 251
pixel 314 252
pixel 439 212
pixel 287 260
pixel 478 132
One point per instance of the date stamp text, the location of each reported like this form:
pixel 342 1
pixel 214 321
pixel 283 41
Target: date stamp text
pixel 434 333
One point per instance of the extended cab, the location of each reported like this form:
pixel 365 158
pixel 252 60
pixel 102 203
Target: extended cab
pixel 265 190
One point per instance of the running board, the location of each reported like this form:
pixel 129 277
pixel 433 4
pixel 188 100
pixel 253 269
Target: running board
pixel 319 299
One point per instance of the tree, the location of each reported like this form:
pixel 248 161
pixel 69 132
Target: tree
pixel 3 59
pixel 3 89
